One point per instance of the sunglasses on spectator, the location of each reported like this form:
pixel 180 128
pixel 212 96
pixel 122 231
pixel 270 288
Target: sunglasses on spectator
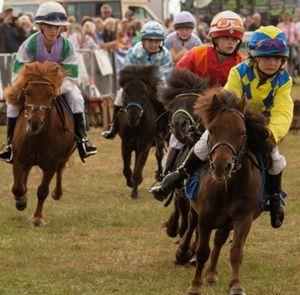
pixel 268 44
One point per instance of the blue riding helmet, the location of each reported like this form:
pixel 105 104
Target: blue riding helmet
pixel 153 30
pixel 268 41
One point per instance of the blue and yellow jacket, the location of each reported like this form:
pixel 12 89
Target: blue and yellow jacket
pixel 273 96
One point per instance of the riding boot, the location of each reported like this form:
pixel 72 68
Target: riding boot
pixel 175 179
pixel 170 161
pixel 6 154
pixel 276 202
pixel 111 133
pixel 85 147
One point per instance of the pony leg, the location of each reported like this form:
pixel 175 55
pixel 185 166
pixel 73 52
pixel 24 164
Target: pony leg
pixel 126 155
pixel 137 177
pixel 42 194
pixel 172 223
pixel 58 191
pixel 184 252
pixel 221 237
pixel 159 154
pixel 184 209
pixel 241 229
pixel 19 188
pixel 202 253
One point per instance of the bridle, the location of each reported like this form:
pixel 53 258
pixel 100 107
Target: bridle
pixel 237 154
pixel 193 125
pixel 36 107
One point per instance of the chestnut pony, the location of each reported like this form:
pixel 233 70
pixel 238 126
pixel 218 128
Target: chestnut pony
pixel 44 133
pixel 230 188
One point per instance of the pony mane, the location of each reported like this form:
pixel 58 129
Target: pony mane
pixel 36 71
pixel 214 101
pixel 217 100
pixel 147 73
pixel 182 81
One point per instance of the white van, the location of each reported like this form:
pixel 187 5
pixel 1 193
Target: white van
pixel 81 8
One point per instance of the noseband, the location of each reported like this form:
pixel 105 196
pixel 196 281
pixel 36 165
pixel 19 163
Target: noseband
pixel 135 105
pixel 237 154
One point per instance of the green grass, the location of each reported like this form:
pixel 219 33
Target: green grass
pixel 98 241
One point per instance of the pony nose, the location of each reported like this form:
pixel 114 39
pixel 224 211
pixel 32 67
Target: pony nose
pixel 34 125
pixel 227 168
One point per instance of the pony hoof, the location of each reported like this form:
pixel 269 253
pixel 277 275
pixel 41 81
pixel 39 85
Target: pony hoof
pixel 21 205
pixel 133 195
pixel 212 279
pixel 193 291
pixel 129 183
pixel 237 291
pixel 172 233
pixel 182 257
pixel 37 222
pixel 56 196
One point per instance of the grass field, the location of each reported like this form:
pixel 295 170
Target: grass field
pixel 98 241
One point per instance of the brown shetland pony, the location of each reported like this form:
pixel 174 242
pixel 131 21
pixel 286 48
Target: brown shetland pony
pixel 230 189
pixel 44 133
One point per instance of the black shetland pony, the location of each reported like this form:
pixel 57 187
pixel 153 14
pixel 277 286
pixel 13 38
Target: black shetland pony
pixel 137 123
pixel 179 97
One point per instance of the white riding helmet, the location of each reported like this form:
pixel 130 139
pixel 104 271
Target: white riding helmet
pixel 52 13
pixel 227 23
pixel 184 19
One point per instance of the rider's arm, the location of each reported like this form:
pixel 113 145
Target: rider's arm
pixel 282 111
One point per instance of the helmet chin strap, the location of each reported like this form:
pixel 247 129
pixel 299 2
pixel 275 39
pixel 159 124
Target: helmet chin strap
pixel 183 40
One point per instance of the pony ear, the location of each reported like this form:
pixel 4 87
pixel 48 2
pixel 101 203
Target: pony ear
pixel 244 103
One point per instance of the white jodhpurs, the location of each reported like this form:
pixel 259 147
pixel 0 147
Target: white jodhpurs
pixel 12 111
pixel 278 162
pixel 118 100
pixel 73 96
pixel 201 148
pixel 174 143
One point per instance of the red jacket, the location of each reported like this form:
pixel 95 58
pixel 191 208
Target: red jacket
pixel 202 61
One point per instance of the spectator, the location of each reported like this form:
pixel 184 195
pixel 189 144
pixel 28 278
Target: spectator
pixel 202 34
pixel 182 40
pixel 256 22
pixel 11 37
pixel 25 24
pixel 129 16
pixel 109 32
pixel 89 36
pixel 110 46
pixel 105 11
pixel 73 32
pixel 169 24
pixel 133 35
pixel 289 28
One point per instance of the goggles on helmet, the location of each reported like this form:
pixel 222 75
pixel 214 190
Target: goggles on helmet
pixel 267 44
pixel 54 16
pixel 225 23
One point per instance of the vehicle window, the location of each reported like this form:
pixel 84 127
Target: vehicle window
pixel 140 13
